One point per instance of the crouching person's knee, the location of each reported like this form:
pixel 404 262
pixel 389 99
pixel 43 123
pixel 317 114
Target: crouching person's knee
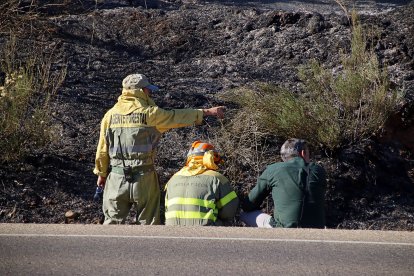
pixel 257 219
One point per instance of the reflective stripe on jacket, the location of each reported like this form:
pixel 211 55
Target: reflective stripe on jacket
pixel 204 199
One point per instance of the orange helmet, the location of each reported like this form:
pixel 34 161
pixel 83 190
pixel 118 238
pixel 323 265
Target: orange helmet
pixel 198 148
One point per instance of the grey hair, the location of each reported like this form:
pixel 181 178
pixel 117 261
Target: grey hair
pixel 292 148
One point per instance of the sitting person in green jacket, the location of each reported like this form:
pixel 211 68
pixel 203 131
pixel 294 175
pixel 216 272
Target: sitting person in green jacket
pixel 297 187
pixel 198 194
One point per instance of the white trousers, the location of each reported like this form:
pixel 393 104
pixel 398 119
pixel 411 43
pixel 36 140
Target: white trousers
pixel 256 219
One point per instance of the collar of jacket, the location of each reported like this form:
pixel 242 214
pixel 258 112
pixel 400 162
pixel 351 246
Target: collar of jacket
pixel 132 99
pixel 136 93
pixel 199 164
pixel 298 160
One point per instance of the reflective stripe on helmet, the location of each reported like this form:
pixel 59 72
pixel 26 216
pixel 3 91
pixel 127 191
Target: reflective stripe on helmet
pixel 199 148
pixel 223 201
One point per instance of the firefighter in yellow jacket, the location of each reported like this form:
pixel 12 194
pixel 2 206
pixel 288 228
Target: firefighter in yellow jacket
pixel 198 194
pixel 124 161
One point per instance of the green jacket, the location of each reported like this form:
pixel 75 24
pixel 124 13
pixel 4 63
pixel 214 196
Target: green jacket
pixel 203 199
pixel 287 181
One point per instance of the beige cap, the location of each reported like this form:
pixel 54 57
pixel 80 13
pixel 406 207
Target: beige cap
pixel 136 81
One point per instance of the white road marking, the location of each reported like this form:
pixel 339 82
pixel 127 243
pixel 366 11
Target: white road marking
pixel 207 238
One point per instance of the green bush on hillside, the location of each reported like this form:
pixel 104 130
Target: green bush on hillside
pixel 334 109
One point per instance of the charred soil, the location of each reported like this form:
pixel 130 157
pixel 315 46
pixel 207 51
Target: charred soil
pixel 194 50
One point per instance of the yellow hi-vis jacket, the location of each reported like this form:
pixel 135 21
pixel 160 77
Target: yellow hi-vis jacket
pixel 202 199
pixel 134 126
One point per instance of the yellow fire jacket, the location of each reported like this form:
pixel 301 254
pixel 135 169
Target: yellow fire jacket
pixel 130 130
pixel 203 199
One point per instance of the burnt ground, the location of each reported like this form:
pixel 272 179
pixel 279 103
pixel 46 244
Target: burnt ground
pixel 194 50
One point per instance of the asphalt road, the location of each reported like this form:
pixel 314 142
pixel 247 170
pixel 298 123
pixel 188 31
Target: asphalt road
pixel 41 249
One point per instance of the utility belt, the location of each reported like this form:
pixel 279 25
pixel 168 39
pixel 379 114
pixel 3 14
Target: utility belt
pixel 129 172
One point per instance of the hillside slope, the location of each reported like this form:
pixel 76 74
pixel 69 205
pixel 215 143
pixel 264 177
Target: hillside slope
pixel 194 50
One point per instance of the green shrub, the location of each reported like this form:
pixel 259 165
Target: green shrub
pixel 334 109
pixel 25 101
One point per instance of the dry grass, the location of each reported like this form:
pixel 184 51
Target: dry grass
pixel 32 78
pixel 17 17
pixel 25 98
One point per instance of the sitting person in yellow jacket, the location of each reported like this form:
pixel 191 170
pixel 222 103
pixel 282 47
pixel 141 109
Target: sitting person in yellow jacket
pixel 198 194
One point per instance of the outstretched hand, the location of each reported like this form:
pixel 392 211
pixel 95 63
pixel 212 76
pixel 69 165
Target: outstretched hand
pixel 217 111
